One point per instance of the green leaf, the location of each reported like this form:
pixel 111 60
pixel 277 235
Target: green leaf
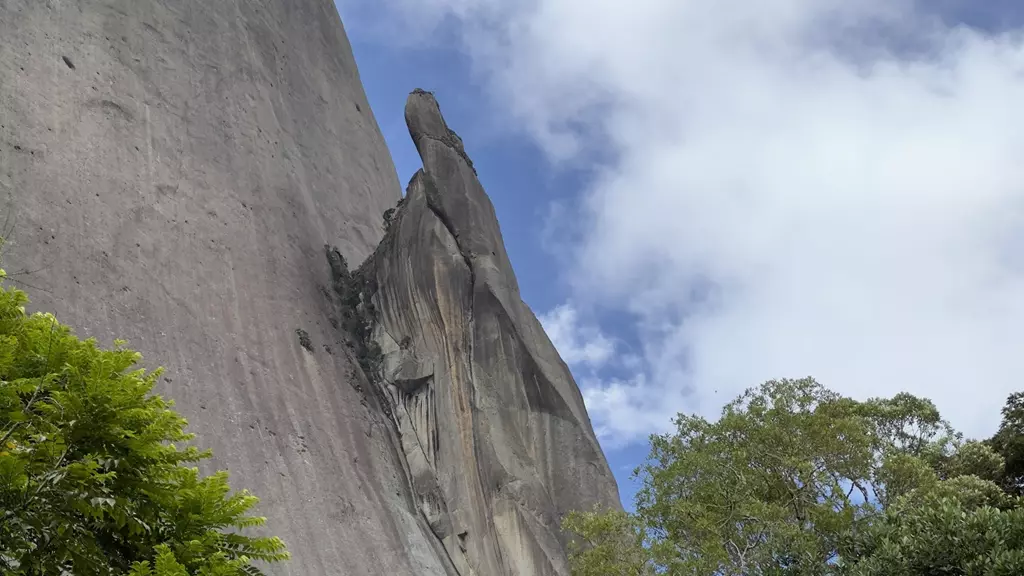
pixel 90 482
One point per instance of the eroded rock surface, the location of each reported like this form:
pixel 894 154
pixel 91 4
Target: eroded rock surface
pixel 492 423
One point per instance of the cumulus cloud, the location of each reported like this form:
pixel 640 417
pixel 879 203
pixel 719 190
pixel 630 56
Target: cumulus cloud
pixel 624 411
pixel 579 344
pixel 788 188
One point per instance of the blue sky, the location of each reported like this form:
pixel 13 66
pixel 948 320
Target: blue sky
pixel 837 194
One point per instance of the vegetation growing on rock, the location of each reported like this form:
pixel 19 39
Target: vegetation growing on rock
pixel 390 213
pixel 304 339
pixel 94 475
pixel 794 479
pixel 354 292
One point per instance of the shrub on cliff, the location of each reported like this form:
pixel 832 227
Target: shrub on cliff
pixel 93 475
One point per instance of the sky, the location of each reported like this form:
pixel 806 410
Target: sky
pixel 698 197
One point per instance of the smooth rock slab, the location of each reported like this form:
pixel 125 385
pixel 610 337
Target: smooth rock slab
pixel 174 169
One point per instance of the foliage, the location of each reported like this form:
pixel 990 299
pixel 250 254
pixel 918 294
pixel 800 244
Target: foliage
pixel 610 542
pixel 961 526
pixel 745 491
pixel 389 216
pixel 304 339
pixel 1008 441
pixel 354 291
pixel 794 479
pixel 93 468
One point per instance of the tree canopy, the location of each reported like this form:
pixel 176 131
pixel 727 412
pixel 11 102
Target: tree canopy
pixel 794 479
pixel 1009 442
pixel 94 475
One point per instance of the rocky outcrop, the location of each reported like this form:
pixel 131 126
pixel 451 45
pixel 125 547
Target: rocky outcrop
pixel 171 172
pixel 492 424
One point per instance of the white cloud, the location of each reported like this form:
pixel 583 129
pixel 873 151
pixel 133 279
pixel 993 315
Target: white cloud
pixel 624 411
pixel 789 194
pixel 580 345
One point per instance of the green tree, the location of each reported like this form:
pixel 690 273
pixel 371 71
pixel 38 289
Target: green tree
pixel 608 542
pixel 1008 441
pixel 93 467
pixel 775 483
pixel 792 479
pixel 964 525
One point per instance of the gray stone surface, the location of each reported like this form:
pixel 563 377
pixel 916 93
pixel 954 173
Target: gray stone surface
pixel 494 426
pixel 176 188
pixel 174 169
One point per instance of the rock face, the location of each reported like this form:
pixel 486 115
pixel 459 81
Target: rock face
pixel 174 170
pixel 493 426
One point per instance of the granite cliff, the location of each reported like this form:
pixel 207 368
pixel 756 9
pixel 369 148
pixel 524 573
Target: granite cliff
pixel 175 171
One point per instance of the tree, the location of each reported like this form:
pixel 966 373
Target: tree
pixel 93 467
pixel 608 542
pixel 793 479
pixel 1008 441
pixel 963 525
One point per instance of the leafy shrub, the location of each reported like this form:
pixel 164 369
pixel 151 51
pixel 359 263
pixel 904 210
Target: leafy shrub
pixel 93 475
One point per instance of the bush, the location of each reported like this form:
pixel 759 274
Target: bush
pixel 93 467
